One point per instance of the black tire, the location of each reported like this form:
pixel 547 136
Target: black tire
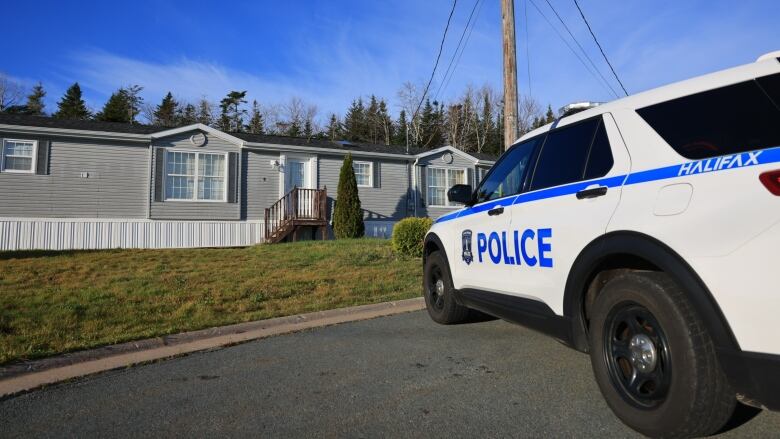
pixel 677 388
pixel 439 300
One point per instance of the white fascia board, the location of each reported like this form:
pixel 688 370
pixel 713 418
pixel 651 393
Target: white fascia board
pixel 199 126
pixel 315 150
pixel 102 135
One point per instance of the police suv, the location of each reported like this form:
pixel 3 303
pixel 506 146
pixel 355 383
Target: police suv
pixel 644 231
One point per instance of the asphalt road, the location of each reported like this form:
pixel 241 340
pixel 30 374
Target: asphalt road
pixel 400 376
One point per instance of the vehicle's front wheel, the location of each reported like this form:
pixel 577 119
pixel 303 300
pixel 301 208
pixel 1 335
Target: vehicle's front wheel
pixel 438 291
pixel 654 360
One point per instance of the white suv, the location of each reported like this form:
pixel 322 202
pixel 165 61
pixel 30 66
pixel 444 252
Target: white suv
pixel 644 231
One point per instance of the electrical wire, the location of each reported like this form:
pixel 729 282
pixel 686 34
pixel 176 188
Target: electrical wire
pixel 457 48
pixel 566 42
pixel 438 57
pixel 600 48
pixel 581 48
pixel 463 49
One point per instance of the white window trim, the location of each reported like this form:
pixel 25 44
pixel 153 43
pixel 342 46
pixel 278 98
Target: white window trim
pixel 446 188
pixel 195 198
pixel 33 165
pixel 370 172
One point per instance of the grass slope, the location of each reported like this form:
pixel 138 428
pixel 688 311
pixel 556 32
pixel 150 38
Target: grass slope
pixel 57 302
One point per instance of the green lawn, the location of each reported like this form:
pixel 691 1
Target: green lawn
pixel 53 302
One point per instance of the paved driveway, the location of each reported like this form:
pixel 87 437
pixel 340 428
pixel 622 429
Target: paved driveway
pixel 400 376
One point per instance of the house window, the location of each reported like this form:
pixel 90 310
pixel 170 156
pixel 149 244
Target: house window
pixel 363 173
pixel 186 171
pixel 439 181
pixel 19 155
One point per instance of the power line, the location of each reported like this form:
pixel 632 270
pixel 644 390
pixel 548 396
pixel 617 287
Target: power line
pixel 465 43
pixel 441 47
pixel 598 44
pixel 580 46
pixel 457 48
pixel 566 42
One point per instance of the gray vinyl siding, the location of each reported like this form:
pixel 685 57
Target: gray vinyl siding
pixel 116 186
pixel 260 182
pixel 458 162
pixel 386 202
pixel 192 210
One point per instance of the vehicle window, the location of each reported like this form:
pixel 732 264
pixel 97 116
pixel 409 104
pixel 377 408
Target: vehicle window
pixel 600 159
pixel 727 120
pixel 771 85
pixel 506 177
pixel 563 155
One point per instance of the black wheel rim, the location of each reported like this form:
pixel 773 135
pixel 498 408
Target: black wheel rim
pixel 435 288
pixel 637 354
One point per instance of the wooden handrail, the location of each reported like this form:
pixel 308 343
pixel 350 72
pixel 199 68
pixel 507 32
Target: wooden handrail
pixel 297 204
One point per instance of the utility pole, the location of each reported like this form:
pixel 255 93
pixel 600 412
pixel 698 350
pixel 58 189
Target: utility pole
pixel 510 72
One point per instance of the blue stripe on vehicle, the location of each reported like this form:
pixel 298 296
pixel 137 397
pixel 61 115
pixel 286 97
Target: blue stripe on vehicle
pixel 771 155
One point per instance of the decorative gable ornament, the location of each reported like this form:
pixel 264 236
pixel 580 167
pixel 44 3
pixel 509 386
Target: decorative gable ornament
pixel 198 139
pixel 447 158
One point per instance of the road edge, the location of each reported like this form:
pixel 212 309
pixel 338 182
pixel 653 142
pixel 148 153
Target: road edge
pixel 34 374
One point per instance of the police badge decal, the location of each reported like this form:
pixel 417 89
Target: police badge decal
pixel 467 256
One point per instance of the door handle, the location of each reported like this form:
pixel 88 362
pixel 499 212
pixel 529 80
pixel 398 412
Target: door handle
pixel 496 211
pixel 592 192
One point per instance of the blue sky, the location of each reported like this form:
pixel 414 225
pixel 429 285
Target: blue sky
pixel 329 52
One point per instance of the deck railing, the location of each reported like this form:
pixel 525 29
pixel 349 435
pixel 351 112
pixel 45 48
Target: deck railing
pixel 297 205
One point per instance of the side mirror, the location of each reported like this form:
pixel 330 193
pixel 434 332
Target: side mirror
pixel 460 193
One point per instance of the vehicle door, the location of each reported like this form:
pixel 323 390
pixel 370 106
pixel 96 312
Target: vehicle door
pixel 572 194
pixel 482 258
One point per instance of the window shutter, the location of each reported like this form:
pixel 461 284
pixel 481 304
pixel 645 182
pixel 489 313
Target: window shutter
pixel 42 167
pixel 233 175
pixel 470 177
pixel 423 187
pixel 377 177
pixel 159 174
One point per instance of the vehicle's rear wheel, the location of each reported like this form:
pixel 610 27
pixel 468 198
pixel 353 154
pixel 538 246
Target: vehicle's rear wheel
pixel 654 361
pixel 438 291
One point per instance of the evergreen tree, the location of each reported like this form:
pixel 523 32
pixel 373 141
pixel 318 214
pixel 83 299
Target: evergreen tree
pixel 123 105
pixel 550 116
pixel 35 103
pixel 488 125
pixel 72 106
pixel 256 120
pixel 116 109
pixel 354 122
pixel 186 116
pixel 231 117
pixel 432 122
pixel 347 215
pixel 294 128
pixel 400 129
pixel 165 113
pixel 308 129
pixel 333 131
pixel 372 128
pixel 385 123
pixel 204 114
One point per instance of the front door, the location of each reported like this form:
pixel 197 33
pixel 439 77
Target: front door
pixel 483 239
pixel 297 176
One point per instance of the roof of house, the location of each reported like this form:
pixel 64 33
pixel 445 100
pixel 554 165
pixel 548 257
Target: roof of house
pixel 126 128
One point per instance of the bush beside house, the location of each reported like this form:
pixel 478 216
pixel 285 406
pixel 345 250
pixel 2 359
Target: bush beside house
pixel 408 235
pixel 348 215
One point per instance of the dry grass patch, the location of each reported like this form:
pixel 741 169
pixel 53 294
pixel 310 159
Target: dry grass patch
pixel 54 302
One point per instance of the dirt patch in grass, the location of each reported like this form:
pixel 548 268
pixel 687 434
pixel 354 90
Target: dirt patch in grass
pixel 55 302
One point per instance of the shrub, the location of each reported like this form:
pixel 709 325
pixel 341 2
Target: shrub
pixel 347 215
pixel 408 235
